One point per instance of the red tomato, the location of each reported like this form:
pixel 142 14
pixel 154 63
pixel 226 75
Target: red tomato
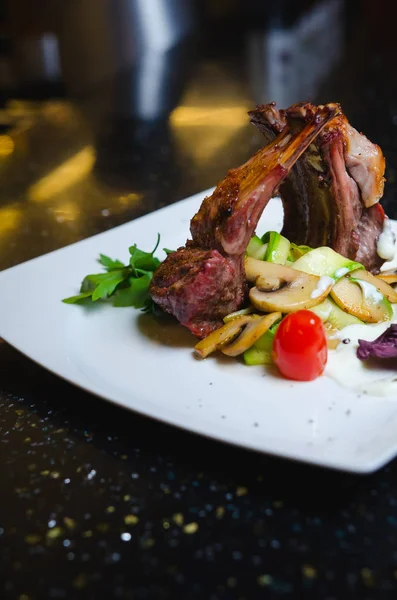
pixel 300 347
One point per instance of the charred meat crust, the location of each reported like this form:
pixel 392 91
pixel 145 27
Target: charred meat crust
pixel 204 281
pixel 328 193
pixel 199 287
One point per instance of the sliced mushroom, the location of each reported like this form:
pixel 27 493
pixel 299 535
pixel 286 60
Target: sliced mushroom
pixel 381 285
pixel 269 284
pixel 236 336
pixel 221 336
pixel 250 334
pixel 259 268
pixel 238 313
pixel 297 290
pixel 369 307
pixel 389 276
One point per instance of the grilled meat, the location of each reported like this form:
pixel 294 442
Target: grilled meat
pixel 331 194
pixel 204 281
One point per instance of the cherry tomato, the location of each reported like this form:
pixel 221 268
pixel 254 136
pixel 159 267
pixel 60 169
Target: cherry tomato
pixel 300 347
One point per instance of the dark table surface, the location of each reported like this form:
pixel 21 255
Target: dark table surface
pixel 98 502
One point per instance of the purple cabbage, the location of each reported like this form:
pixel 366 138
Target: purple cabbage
pixel 385 346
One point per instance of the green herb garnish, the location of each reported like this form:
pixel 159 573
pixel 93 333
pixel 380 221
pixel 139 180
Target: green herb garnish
pixel 127 285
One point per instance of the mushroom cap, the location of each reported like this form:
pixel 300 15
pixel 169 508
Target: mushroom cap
pixel 381 285
pixel 390 278
pixel 349 296
pixel 297 290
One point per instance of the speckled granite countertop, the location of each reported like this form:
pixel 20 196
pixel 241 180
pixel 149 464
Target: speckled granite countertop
pixel 98 502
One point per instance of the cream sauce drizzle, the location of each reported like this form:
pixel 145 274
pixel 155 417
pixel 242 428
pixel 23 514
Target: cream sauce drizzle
pixel 386 245
pixel 375 377
pixel 323 283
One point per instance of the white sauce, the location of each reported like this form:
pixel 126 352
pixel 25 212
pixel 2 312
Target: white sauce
pixel 386 242
pixel 370 293
pixel 375 377
pixel 341 272
pixel 323 284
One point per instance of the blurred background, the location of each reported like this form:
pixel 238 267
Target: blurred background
pixel 113 108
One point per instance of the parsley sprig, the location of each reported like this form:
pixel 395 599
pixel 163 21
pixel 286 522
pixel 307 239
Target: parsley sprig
pixel 126 285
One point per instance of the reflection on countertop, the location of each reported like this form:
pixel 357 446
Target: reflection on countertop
pixel 175 121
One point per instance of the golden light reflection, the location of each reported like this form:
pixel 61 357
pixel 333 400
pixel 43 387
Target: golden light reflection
pixel 57 112
pixel 218 116
pixel 210 145
pixel 128 199
pixel 67 211
pixel 10 218
pixel 23 108
pixel 64 176
pixel 218 125
pixel 6 145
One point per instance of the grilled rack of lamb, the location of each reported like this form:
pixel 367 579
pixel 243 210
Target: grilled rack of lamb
pixel 331 195
pixel 330 179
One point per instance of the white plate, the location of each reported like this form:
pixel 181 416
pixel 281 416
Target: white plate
pixel 126 357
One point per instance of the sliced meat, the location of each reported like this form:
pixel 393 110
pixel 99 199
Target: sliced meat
pixel 329 191
pixel 345 207
pixel 305 193
pixel 204 281
pixel 199 287
pixel 365 237
pixel 366 164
